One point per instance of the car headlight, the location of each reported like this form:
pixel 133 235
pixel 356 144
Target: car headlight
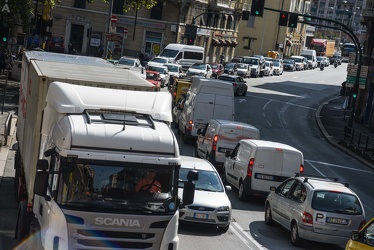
pixel 223 209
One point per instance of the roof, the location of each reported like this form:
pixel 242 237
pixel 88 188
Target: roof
pixel 228 123
pixel 71 98
pixel 269 144
pixel 323 184
pixel 195 163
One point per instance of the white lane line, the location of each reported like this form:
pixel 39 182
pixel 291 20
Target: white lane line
pixel 249 236
pixel 240 237
pixel 339 166
pixel 263 112
pixel 287 103
pixel 315 168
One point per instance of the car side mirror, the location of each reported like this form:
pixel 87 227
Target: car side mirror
pixel 354 235
pixel 199 131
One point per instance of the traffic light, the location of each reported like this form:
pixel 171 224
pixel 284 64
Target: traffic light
pixel 292 20
pixel 355 91
pixel 257 8
pixel 190 41
pixel 4 33
pixel 283 19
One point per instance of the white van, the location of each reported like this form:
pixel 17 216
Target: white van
pixel 206 99
pixel 311 56
pixel 219 136
pixel 256 165
pixel 183 54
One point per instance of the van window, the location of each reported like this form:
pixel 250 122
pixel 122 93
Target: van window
pixel 235 151
pixel 179 56
pixel 169 53
pixel 193 55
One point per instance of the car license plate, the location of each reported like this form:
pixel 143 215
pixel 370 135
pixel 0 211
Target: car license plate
pixel 265 177
pixel 200 216
pixel 337 221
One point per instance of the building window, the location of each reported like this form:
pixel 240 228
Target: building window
pixel 81 4
pixel 156 12
pixel 118 7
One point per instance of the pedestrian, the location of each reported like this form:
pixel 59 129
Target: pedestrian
pixel 222 58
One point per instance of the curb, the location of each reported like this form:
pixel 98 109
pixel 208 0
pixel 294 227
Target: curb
pixel 332 141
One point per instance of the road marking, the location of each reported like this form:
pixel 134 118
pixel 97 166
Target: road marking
pixel 242 100
pixel 247 234
pixel 263 113
pixel 287 103
pixel 338 166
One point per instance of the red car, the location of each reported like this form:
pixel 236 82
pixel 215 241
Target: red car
pixel 153 77
pixel 217 69
pixel 56 45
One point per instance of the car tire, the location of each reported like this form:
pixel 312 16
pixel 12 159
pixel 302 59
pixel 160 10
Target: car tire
pixel 268 216
pixel 294 235
pixel 245 92
pixel 241 192
pixel 224 229
pixel 236 92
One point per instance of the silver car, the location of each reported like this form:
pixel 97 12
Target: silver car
pixel 239 84
pixel 315 209
pixel 211 204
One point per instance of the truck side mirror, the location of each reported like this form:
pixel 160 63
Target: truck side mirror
pixel 189 187
pixel 41 184
pixel 42 164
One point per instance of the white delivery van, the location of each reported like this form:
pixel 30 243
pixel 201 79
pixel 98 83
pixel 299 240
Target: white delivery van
pixel 206 99
pixel 311 56
pixel 219 136
pixel 256 165
pixel 183 54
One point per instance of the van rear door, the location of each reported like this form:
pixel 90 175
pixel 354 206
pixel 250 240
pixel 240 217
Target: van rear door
pixel 203 110
pixel 223 108
pixel 291 163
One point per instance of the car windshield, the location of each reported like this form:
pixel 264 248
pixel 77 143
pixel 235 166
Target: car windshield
pixel 58 40
pixel 309 57
pixel 276 63
pixel 267 64
pixel 252 61
pixel 214 66
pixel 289 61
pixel 229 65
pixel 336 202
pixel 126 61
pixel 298 59
pixel 158 69
pixel 198 66
pixel 159 60
pixel 242 66
pixel 208 180
pixel 319 59
pixel 173 68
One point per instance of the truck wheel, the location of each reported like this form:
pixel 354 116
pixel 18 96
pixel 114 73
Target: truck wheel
pixel 23 225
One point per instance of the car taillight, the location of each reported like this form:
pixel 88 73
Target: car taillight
pixel 214 144
pixel 190 124
pixel 234 84
pixel 362 224
pixel 250 166
pixel 301 169
pixel 307 218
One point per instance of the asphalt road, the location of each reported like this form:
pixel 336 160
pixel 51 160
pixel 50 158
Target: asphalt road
pixel 283 108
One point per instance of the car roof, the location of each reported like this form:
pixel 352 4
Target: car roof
pixel 173 64
pixel 268 144
pixel 196 163
pixel 233 123
pixel 325 184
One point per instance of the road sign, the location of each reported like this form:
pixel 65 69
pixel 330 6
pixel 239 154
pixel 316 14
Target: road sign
pixel 362 82
pixel 113 19
pixel 352 71
pixel 364 71
pixel 125 30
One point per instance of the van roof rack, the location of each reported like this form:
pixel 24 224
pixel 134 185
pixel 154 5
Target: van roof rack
pixel 318 177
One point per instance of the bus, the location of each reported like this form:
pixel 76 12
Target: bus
pixel 346 49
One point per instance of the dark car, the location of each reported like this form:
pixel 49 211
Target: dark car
pixel 289 65
pixel 238 82
pixel 230 68
pixel 56 45
pixel 217 69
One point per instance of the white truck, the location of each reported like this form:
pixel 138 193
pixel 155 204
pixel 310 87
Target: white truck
pixel 83 145
pixel 311 56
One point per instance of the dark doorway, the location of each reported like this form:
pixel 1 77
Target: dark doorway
pixel 76 39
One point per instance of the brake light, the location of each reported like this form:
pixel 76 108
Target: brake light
pixel 234 84
pixel 214 144
pixel 190 124
pixel 175 94
pixel 362 224
pixel 307 218
pixel 250 166
pixel 301 169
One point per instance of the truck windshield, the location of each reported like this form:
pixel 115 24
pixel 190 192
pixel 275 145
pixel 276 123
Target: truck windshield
pixel 118 187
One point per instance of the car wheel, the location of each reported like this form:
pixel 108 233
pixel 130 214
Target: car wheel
pixel 236 91
pixel 224 229
pixel 268 217
pixel 245 92
pixel 295 239
pixel 241 192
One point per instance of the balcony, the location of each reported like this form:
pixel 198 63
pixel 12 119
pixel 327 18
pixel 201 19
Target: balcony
pixel 369 10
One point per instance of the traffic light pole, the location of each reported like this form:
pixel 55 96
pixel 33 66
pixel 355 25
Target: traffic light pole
pixel 358 60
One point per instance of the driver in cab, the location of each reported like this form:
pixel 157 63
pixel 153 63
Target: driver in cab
pixel 149 183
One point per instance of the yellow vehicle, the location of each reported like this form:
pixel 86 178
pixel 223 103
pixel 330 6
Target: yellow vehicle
pixel 180 87
pixel 363 239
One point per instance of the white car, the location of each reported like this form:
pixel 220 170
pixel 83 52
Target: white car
pixel 158 61
pixel 175 70
pixel 278 67
pixel 200 69
pixel 269 68
pixel 243 70
pixel 211 204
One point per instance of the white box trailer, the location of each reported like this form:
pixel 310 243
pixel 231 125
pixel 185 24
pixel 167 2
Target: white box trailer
pixel 82 145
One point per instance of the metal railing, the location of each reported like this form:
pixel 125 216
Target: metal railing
pixel 359 142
